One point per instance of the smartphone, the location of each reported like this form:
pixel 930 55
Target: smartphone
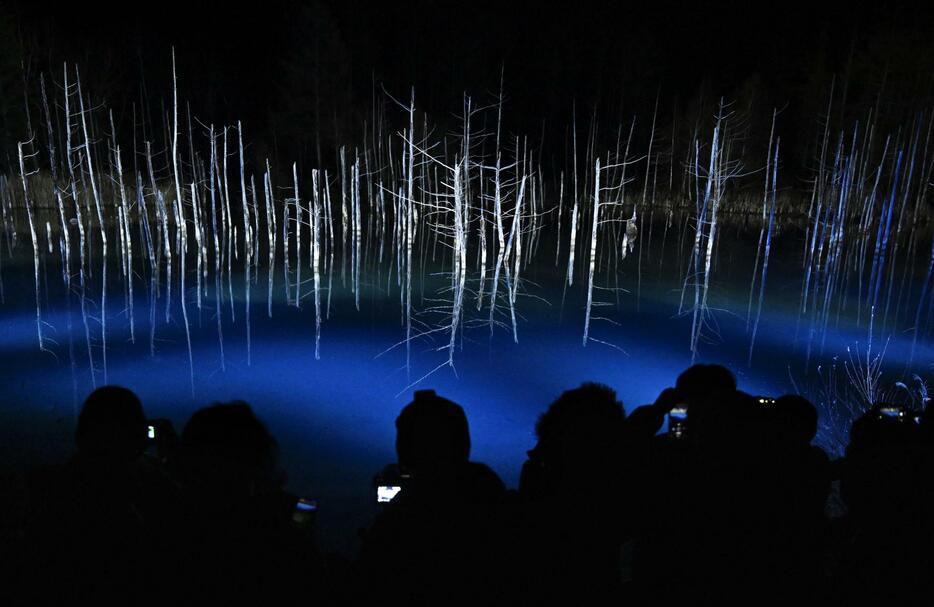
pixel 304 511
pixel 386 493
pixel 677 421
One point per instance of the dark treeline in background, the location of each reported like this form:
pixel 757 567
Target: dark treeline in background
pixel 306 77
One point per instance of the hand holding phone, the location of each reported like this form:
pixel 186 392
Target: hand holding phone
pixel 668 398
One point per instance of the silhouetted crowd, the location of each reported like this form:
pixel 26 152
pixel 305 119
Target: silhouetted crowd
pixel 733 502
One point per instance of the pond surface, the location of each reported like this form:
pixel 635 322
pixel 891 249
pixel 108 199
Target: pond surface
pixel 334 415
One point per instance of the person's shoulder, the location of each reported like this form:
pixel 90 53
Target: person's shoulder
pixel 483 481
pixel 818 456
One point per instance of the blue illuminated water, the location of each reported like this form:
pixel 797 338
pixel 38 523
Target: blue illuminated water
pixel 334 417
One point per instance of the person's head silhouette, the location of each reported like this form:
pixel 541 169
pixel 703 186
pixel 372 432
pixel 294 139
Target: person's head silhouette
pixel 577 437
pixel 228 444
pixel 796 419
pixel 111 425
pixel 432 435
pixel 699 381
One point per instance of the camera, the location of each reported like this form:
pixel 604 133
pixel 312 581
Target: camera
pixel 390 482
pixel 678 420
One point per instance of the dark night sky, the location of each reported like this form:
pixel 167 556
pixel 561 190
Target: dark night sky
pixel 257 64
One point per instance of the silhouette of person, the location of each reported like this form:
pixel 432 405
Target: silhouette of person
pixel 887 486
pixel 796 420
pixel 240 539
pixel 111 425
pixel 569 525
pixel 434 542
pixel 101 525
